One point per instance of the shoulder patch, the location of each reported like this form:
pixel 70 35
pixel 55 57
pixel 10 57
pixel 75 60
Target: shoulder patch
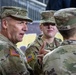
pixel 14 53
pixel 30 57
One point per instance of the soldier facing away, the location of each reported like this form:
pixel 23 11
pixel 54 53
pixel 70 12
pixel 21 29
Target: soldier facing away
pixel 44 43
pixel 62 60
pixel 13 26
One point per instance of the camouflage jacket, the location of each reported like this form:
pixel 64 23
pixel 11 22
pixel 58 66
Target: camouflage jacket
pixel 12 60
pixel 62 60
pixel 33 49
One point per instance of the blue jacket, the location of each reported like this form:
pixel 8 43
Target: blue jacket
pixel 57 4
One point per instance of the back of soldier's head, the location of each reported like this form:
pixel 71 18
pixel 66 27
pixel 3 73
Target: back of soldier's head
pixel 66 21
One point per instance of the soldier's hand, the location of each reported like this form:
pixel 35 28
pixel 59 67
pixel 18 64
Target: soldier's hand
pixel 42 52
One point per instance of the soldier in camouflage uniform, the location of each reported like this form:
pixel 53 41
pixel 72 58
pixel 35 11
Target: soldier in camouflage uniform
pixel 62 60
pixel 13 27
pixel 44 43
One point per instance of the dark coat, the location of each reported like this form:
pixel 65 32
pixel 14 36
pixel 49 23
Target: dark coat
pixel 57 4
pixel 73 3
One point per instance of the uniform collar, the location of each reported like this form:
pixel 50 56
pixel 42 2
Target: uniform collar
pixel 69 42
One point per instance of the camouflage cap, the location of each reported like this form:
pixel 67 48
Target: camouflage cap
pixel 65 18
pixel 47 16
pixel 14 11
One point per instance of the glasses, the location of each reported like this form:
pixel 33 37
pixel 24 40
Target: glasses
pixel 47 24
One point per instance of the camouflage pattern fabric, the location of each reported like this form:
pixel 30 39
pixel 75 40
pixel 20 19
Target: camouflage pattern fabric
pixel 65 18
pixel 13 11
pixel 12 60
pixel 61 61
pixel 32 52
pixel 47 16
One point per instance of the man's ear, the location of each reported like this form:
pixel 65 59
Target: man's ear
pixel 40 27
pixel 4 23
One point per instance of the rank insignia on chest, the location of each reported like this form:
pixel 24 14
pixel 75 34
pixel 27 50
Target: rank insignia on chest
pixel 14 53
pixel 30 57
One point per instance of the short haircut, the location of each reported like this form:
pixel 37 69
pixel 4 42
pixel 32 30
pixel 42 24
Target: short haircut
pixel 68 33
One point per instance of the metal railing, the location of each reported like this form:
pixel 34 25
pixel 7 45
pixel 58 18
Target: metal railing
pixel 43 1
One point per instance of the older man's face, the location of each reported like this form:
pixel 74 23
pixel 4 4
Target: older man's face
pixel 15 29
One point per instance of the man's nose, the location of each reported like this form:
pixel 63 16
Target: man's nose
pixel 25 27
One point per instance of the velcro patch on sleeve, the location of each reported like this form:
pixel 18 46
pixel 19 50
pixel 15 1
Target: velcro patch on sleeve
pixel 30 58
pixel 14 53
